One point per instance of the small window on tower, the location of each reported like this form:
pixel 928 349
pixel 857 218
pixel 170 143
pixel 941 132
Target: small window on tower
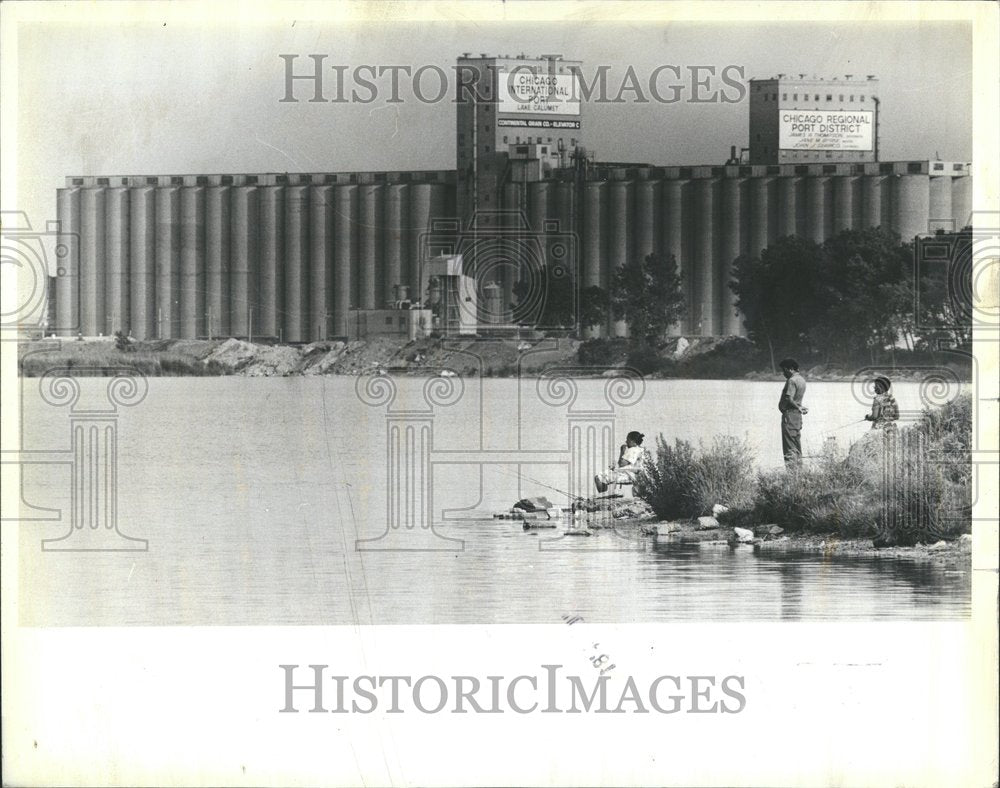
pixel 505 139
pixel 851 97
pixel 862 99
pixel 486 148
pixel 816 97
pixel 784 97
pixel 829 97
pixel 841 98
pixel 795 97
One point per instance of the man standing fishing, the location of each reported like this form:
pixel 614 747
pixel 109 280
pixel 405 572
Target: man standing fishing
pixel 790 405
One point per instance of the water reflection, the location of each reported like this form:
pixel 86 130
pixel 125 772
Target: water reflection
pixel 239 486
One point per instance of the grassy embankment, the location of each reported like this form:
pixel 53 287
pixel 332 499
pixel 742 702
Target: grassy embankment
pixel 914 487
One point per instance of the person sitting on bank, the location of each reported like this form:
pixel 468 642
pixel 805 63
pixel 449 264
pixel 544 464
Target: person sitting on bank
pixel 629 461
pixel 790 405
pixel 885 411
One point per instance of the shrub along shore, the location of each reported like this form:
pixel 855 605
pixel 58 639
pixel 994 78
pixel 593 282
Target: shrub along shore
pixel 896 488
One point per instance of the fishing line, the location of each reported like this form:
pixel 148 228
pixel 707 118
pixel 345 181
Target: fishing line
pixel 525 477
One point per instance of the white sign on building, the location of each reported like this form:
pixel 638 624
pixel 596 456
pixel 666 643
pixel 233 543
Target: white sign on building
pixel 801 129
pixel 524 92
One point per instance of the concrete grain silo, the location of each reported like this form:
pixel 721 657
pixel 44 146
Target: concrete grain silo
pixel 168 253
pixel 142 261
pixel 192 262
pixel 217 245
pixel 116 283
pixel 321 241
pixel 266 206
pixel 68 272
pixel 93 263
pixel 345 246
pixel 248 236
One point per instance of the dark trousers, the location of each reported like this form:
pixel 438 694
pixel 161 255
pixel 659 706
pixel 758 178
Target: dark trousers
pixel 791 438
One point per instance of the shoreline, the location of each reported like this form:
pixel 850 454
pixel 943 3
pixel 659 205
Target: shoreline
pixel 701 358
pixel 831 545
pixel 634 518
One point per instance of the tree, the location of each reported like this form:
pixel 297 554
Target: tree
pixel 776 293
pixel 554 307
pixel 850 296
pixel 647 295
pixel 945 289
pixel 862 293
pixel 594 306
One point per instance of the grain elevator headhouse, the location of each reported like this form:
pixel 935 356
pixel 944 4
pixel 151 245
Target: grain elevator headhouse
pixel 518 121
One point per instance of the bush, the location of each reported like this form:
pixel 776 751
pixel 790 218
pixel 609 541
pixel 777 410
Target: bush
pixel 680 483
pixel 664 482
pixel 723 473
pixel 603 352
pixel 833 496
pixel 645 360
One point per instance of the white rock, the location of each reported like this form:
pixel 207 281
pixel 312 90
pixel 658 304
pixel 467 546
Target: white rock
pixel 743 535
pixel 938 545
pixel 719 509
pixel 682 346
pixel 965 538
pixel 666 528
pixel 708 522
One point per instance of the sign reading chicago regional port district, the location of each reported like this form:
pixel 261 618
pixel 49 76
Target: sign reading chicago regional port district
pixel 801 129
pixel 524 92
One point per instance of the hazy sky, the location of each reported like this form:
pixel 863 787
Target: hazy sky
pixel 178 99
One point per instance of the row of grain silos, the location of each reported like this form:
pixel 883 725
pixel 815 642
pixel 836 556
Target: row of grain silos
pixel 286 261
pixel 291 260
pixel 706 222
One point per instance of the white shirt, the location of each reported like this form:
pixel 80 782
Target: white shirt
pixel 632 455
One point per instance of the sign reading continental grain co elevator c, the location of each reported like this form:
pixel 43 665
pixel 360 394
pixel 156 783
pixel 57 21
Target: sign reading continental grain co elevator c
pixel 825 130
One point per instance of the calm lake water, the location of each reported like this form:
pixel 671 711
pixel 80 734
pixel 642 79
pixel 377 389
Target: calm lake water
pixel 252 494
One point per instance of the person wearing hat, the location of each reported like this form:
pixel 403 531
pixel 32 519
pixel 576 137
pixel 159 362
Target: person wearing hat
pixel 629 461
pixel 885 411
pixel 792 411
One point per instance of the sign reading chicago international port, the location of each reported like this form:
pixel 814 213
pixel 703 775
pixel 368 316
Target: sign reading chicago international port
pixel 826 130
pixel 524 92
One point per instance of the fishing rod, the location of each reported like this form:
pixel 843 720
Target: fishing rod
pixel 525 477
pixel 842 426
